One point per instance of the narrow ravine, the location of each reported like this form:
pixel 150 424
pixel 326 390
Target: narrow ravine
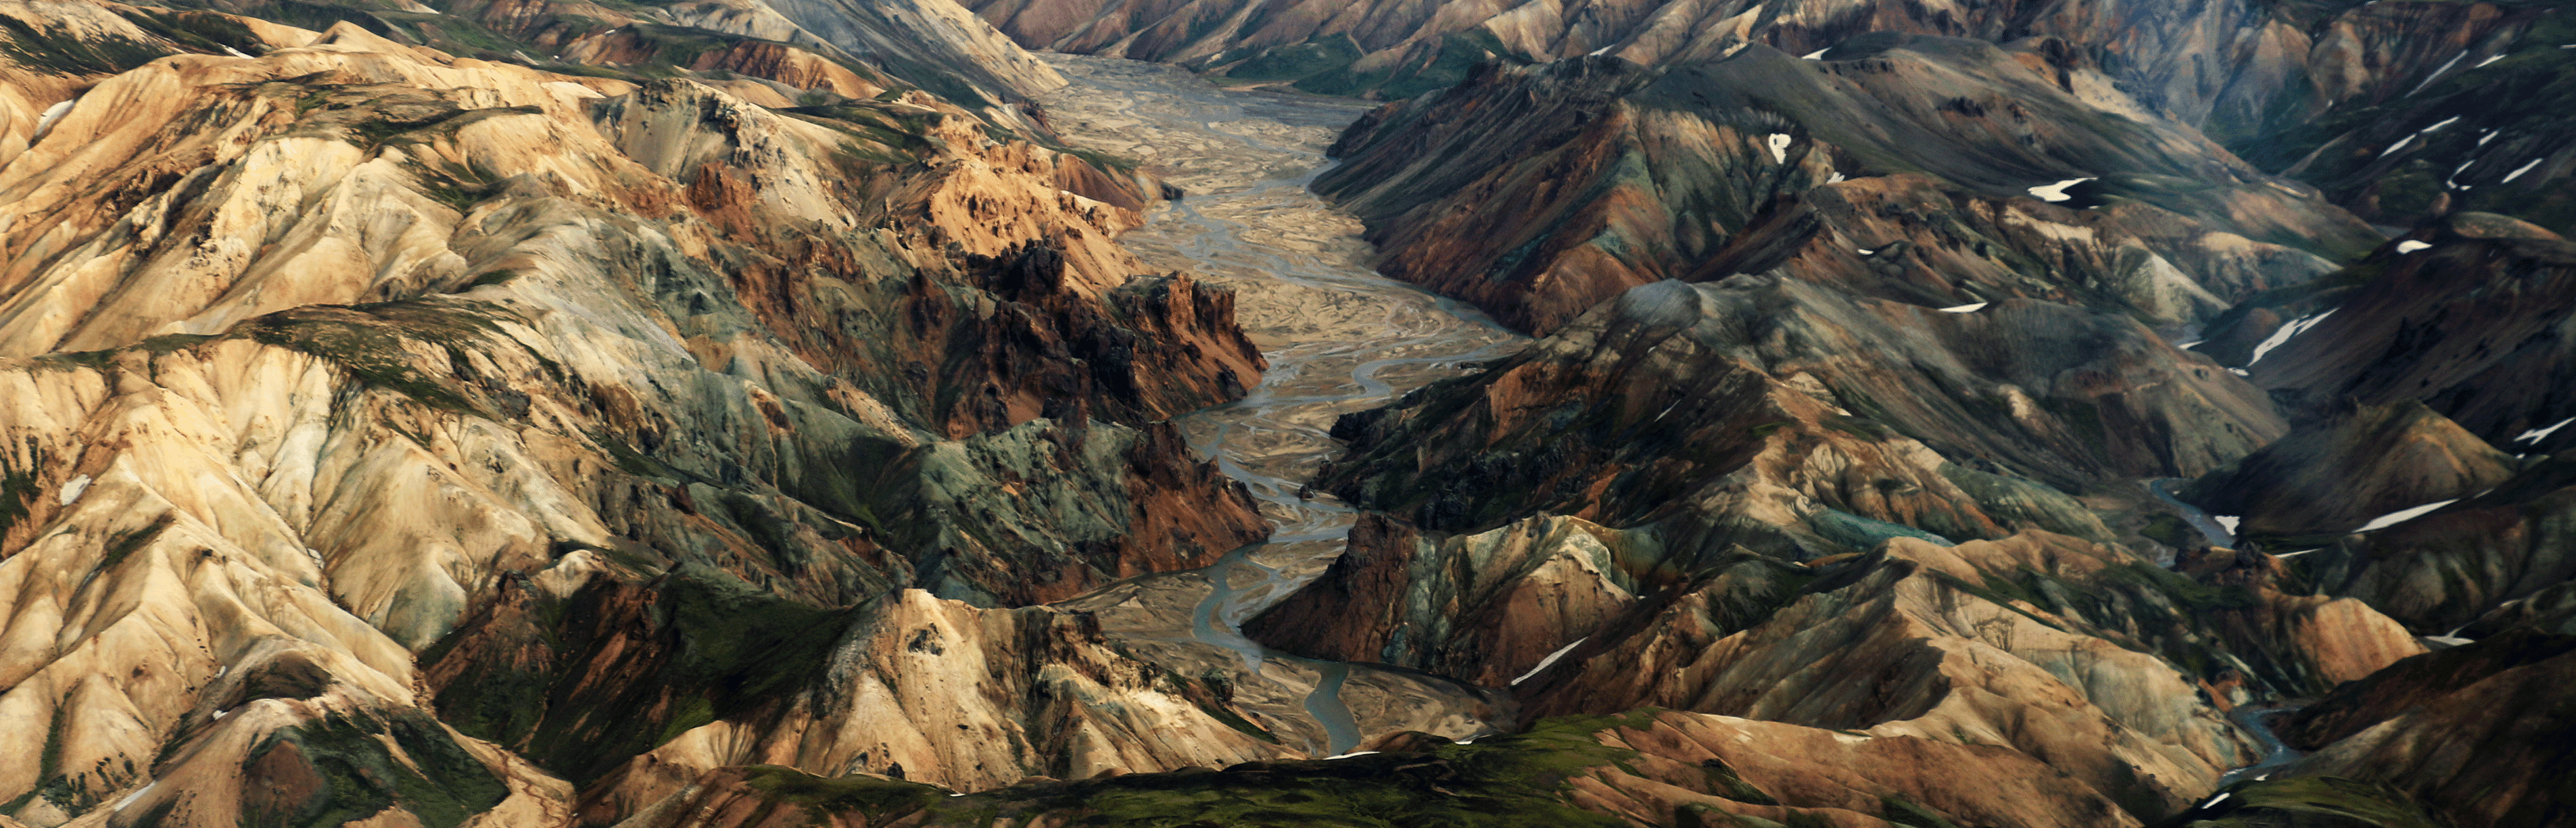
pixel 1339 338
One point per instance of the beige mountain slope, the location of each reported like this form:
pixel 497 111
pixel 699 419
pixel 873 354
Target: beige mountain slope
pixel 353 353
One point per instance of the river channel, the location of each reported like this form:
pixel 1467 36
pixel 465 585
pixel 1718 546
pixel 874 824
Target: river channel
pixel 1339 338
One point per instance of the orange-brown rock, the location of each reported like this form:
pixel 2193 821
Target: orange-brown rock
pixel 2485 746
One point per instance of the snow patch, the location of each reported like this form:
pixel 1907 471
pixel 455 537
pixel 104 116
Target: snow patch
pixel 2446 66
pixel 2490 59
pixel 2295 554
pixel 2532 436
pixel 72 490
pixel 2057 191
pixel 1837 179
pixel 137 794
pixel 2228 522
pixel 2401 144
pixel 1351 754
pixel 1550 659
pixel 2240 372
pixel 45 121
pixel 234 52
pixel 2411 245
pixel 2482 141
pixel 2403 515
pixel 1779 148
pixel 1970 308
pixel 2214 800
pixel 2446 641
pixel 2282 337
pixel 2518 171
pixel 1819 54
pixel 1866 251
pixel 2445 122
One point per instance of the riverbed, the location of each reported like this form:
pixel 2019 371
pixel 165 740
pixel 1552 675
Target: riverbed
pixel 1339 338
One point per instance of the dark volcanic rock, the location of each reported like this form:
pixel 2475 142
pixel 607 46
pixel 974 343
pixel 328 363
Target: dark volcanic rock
pixel 1897 167
pixel 2333 475
pixel 2475 317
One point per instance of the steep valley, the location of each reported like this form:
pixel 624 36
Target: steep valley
pixel 1745 413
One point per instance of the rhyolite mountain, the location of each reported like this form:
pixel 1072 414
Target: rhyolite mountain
pixel 747 413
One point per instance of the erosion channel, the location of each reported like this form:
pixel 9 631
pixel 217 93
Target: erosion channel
pixel 1339 338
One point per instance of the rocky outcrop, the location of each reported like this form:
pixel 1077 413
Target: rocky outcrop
pixel 1538 192
pixel 2333 475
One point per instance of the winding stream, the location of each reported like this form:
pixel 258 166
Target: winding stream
pixel 1339 338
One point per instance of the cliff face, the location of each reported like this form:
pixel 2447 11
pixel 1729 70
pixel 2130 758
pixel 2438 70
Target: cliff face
pixel 354 356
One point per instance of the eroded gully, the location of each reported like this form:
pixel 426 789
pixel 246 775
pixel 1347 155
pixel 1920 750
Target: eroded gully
pixel 1339 338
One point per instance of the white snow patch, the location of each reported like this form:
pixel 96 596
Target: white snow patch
pixel 2402 515
pixel 2213 800
pixel 2240 372
pixel 45 121
pixel 2445 122
pixel 2295 554
pixel 1351 754
pixel 956 795
pixel 1779 148
pixel 2490 59
pixel 2446 641
pixel 72 490
pixel 220 713
pixel 2411 245
pixel 137 794
pixel 2282 337
pixel 1969 308
pixel 1466 741
pixel 1865 251
pixel 2532 436
pixel 1550 659
pixel 2401 144
pixel 1597 52
pixel 1819 54
pixel 2057 191
pixel 2446 66
pixel 1837 179
pixel 2483 139
pixel 2518 171
pixel 234 52
pixel 2227 522
pixel 2187 345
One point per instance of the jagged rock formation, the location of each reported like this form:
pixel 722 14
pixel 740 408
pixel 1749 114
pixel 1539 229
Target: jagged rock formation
pixel 1892 167
pixel 2336 474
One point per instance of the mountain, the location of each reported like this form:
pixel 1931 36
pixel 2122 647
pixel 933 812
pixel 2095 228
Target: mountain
pixel 1896 167
pixel 1696 413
